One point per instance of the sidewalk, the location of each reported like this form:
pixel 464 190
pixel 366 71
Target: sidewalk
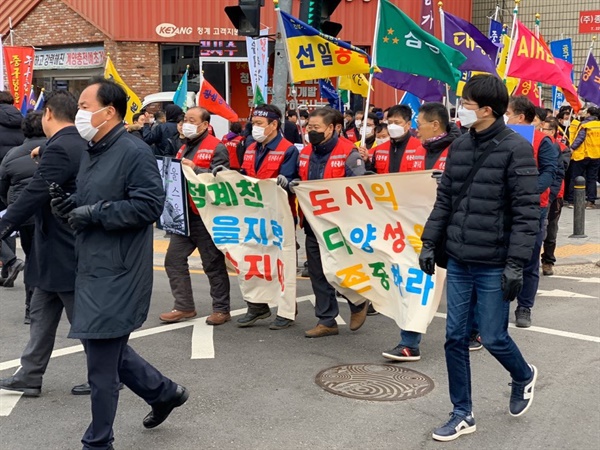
pixel 578 250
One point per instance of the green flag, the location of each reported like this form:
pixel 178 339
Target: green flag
pixel 258 97
pixel 403 46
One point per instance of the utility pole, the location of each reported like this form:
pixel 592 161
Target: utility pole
pixel 280 71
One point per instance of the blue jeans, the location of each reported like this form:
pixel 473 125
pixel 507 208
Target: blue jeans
pixel 531 271
pixel 410 339
pixel 469 285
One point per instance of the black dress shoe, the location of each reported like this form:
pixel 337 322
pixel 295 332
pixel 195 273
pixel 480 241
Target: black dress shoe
pixel 12 384
pixel 85 389
pixel 13 272
pixel 161 411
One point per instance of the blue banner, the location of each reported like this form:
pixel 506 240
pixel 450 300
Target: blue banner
pixel 495 32
pixel 562 49
pixel 329 92
pixel 414 103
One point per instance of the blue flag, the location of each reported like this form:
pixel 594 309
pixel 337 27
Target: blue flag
pixel 414 103
pixel 495 32
pixel 180 96
pixel 562 49
pixel 24 105
pixel 329 92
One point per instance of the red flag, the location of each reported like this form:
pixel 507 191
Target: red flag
pixel 532 60
pixel 19 68
pixel 530 90
pixel 210 100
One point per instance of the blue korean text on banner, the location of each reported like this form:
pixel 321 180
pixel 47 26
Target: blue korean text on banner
pixel 414 103
pixel 495 32
pixel 562 49
pixel 524 130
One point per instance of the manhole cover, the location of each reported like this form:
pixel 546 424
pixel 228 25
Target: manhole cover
pixel 379 382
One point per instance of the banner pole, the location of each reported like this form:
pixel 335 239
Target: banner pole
pixel 363 138
pixel 512 39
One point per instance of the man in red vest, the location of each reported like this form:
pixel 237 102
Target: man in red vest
pixel 232 141
pixel 435 133
pixel 326 157
pixel 521 111
pixel 269 156
pixel 202 152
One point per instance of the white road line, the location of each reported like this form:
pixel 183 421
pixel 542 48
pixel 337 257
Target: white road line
pixel 580 279
pixel 562 294
pixel 8 400
pixel 202 341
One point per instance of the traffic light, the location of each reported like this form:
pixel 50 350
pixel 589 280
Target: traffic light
pixel 316 13
pixel 246 17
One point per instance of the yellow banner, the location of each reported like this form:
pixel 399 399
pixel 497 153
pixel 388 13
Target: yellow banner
pixel 134 104
pixel 357 84
pixel 511 83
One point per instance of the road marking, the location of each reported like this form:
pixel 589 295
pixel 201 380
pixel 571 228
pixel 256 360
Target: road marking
pixel 580 279
pixel 559 293
pixel 231 274
pixel 8 400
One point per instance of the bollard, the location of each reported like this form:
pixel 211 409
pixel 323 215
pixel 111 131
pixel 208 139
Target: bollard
pixel 579 209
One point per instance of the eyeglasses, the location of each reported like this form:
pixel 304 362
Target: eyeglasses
pixel 419 124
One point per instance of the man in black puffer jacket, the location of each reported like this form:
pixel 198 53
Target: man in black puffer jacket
pixel 10 124
pixel 490 238
pixel 159 135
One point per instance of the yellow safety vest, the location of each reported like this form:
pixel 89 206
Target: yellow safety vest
pixel 591 145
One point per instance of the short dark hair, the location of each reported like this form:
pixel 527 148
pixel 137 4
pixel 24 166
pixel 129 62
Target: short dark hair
pixel 327 114
pixel 522 105
pixel 541 113
pixel 271 109
pixel 136 116
pixel 374 118
pixel 403 111
pixel 338 116
pixel 63 105
pixel 562 113
pixel 487 90
pixel 349 112
pixel 111 94
pixel 32 124
pixel 359 112
pixel 6 97
pixel 235 127
pixel 593 111
pixel 304 114
pixel 291 113
pixel 551 123
pixel 379 128
pixel 435 111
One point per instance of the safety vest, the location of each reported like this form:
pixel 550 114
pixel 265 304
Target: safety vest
pixel 270 165
pixel 351 134
pixel 419 160
pixel 381 156
pixel 590 148
pixel 336 164
pixel 538 136
pixel 573 130
pixel 232 146
pixel 205 152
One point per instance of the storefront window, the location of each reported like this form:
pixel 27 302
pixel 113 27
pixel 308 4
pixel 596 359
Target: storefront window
pixel 175 59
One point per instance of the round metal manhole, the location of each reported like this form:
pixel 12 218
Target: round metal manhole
pixel 378 382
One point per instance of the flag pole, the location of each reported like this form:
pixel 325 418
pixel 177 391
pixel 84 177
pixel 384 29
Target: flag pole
pixel 537 35
pixel 512 38
pixel 496 13
pixel 363 138
pixel 443 29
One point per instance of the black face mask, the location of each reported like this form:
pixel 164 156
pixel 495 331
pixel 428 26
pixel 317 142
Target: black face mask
pixel 315 137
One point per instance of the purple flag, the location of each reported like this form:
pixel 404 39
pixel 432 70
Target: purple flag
pixel 467 39
pixel 425 88
pixel 427 16
pixel 589 85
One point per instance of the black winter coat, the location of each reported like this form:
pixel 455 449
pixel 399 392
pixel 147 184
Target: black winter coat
pixel 52 261
pixel 115 255
pixel 498 218
pixel 10 129
pixel 159 136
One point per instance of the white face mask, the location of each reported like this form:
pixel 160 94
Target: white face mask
pixel 83 123
pixel 467 117
pixel 506 119
pixel 302 122
pixel 258 133
pixel 380 141
pixel 189 130
pixel 358 123
pixel 396 131
pixel 566 123
pixel 368 131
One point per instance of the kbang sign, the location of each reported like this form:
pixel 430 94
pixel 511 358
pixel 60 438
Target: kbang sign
pixel 250 221
pixel 19 70
pixel 369 232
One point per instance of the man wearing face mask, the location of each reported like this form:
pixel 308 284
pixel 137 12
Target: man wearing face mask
pixel 487 207
pixel 397 154
pixel 119 196
pixel 436 133
pixel 372 123
pixel 316 163
pixel 521 111
pixel 349 129
pixel 269 156
pixel 202 152
pixel 381 134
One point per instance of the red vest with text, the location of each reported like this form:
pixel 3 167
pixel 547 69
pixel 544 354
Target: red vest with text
pixel 202 158
pixel 232 146
pixel 538 136
pixel 419 160
pixel 270 165
pixel 336 164
pixel 381 154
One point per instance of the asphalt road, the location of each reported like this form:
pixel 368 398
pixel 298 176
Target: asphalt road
pixel 258 391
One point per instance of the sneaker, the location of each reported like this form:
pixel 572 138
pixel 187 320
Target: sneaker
pixel 402 353
pixel 547 269
pixel 372 311
pixel 455 427
pixel 280 323
pixel 12 272
pixel 590 205
pixel 475 343
pixel 523 317
pixel 521 394
pixel 253 315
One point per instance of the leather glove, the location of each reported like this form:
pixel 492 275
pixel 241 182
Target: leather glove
pixel 292 185
pixel 437 174
pixel 62 206
pixel 427 258
pixel 512 280
pixel 282 181
pixel 81 217
pixel 218 169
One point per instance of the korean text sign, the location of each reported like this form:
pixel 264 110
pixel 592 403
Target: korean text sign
pixel 369 233
pixel 174 218
pixel 19 70
pixel 250 221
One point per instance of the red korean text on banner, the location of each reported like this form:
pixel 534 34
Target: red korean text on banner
pixel 530 90
pixel 212 101
pixel 589 21
pixel 19 70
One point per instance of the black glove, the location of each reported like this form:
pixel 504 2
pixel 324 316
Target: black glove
pixel 282 181
pixel 218 169
pixel 512 280
pixel 437 174
pixel 427 258
pixel 62 206
pixel 292 185
pixel 81 217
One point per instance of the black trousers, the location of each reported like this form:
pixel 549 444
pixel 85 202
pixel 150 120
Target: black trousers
pixel 587 168
pixel 552 231
pixel 111 361
pixel 326 304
